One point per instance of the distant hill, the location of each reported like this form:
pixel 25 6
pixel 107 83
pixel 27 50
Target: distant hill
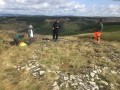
pixel 43 24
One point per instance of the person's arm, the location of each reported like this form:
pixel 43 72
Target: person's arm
pixel 59 25
pixel 28 31
pixel 53 25
pixel 101 26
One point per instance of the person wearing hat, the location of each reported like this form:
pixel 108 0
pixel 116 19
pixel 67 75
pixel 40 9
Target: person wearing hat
pixel 56 28
pixel 30 34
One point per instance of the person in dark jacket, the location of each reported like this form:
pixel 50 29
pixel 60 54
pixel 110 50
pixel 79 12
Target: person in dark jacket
pixel 56 28
pixel 97 32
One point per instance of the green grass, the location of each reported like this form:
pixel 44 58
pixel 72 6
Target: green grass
pixel 111 36
pixel 109 33
pixel 67 55
pixel 111 28
pixel 70 54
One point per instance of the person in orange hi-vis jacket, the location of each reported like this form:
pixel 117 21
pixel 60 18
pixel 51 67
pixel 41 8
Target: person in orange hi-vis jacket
pixel 97 32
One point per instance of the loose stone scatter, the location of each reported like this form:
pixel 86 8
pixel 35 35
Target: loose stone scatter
pixel 34 68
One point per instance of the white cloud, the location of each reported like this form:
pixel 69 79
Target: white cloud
pixel 49 7
pixel 2 3
pixel 103 10
pixel 21 1
pixel 114 9
pixel 57 7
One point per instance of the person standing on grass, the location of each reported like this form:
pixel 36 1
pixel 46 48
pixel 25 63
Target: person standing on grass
pixel 97 32
pixel 56 28
pixel 30 34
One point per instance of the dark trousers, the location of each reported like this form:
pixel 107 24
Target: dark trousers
pixel 55 34
pixel 16 41
pixel 31 40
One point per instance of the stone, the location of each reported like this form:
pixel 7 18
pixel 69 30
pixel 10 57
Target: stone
pixel 80 80
pixel 92 74
pixel 74 84
pixel 101 86
pixel 37 69
pixel 66 78
pixel 105 68
pixel 67 85
pixel 61 85
pixel 56 88
pixel 75 87
pixel 55 83
pixel 32 67
pixel 69 81
pixel 43 66
pixel 80 88
pixel 96 87
pixel 19 68
pixel 28 68
pixel 49 71
pixel 26 65
pixel 15 67
pixel 30 64
pixel 37 64
pixel 72 77
pixel 42 72
pixel 97 77
pixel 112 86
pixel 92 79
pixel 87 76
pixel 92 83
pixel 113 72
pixel 99 70
pixel 81 83
pixel 104 82
pixel 34 74
pixel 22 68
pixel 95 71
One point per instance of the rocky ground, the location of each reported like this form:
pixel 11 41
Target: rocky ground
pixel 90 77
pixel 71 63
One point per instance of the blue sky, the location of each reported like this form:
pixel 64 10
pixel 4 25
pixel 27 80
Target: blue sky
pixel 99 2
pixel 61 7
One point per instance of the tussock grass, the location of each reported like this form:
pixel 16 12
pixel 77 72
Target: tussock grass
pixel 69 54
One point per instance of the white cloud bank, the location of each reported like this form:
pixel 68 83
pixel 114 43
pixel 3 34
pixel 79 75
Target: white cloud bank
pixel 56 7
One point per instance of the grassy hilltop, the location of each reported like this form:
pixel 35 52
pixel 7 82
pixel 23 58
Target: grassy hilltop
pixel 72 63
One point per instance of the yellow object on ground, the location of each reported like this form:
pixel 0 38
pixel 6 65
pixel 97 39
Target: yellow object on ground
pixel 22 44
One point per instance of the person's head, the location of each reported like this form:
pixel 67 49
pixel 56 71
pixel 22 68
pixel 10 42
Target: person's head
pixel 57 21
pixel 100 20
pixel 30 27
pixel 23 35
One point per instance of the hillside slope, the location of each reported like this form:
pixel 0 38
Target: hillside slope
pixel 72 63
